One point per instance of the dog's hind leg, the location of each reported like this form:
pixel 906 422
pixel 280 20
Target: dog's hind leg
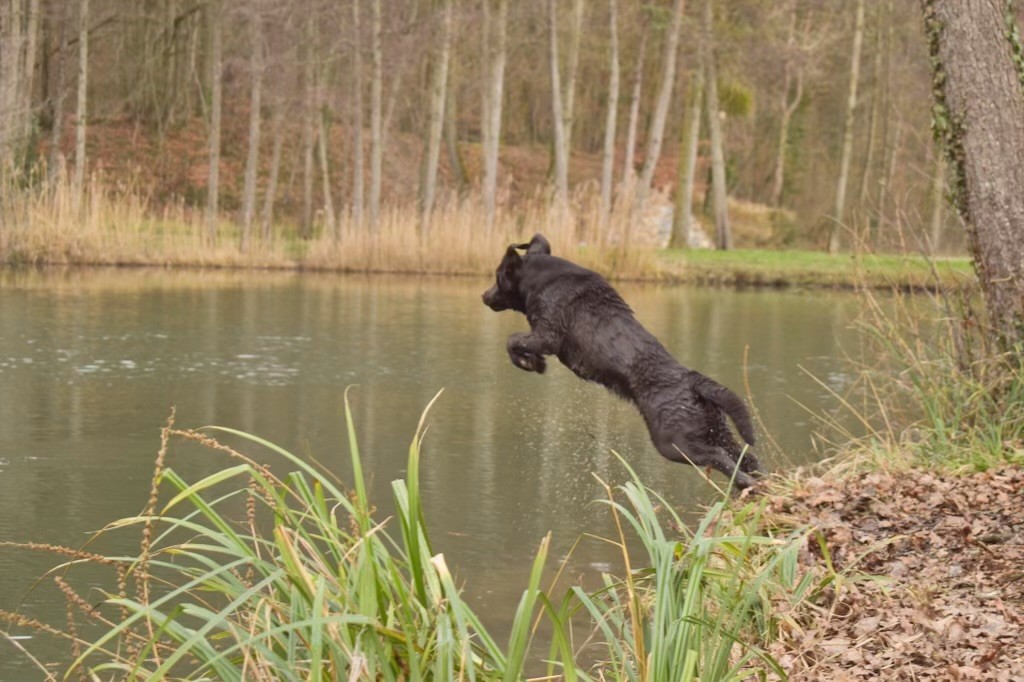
pixel 714 456
pixel 527 351
pixel 749 462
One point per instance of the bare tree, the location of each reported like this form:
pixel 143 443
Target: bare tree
pixel 438 96
pixel 451 135
pixel 877 101
pixel 978 88
pixel 81 115
pixel 270 198
pixel 19 29
pixel 608 161
pixel 28 69
pixel 54 161
pixel 331 225
pixel 634 108
pixel 572 75
pixel 495 55
pixel 682 217
pixel 938 204
pixel 255 119
pixel 557 112
pixel 847 153
pixel 656 132
pixel 358 164
pixel 217 91
pixel 10 39
pixel 791 95
pixel 309 125
pixel 893 125
pixel 723 233
pixel 376 133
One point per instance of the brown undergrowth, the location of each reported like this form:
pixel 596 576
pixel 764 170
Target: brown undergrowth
pixel 936 584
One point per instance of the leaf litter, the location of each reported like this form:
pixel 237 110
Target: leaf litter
pixel 932 576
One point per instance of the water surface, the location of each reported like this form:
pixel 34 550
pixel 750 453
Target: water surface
pixel 92 361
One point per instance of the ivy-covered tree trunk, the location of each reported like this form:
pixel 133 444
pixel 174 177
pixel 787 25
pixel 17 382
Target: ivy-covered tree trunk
pixel 979 118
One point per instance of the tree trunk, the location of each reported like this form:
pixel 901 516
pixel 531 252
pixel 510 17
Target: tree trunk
pixel 358 198
pixel 634 110
pixel 657 130
pixel 81 114
pixel 376 134
pixel 331 226
pixel 571 75
pixel 486 59
pixel 396 84
pixel 255 118
pixel 54 162
pixel 847 153
pixel 275 167
pixel 891 127
pixel 682 217
pixel 8 76
pixel 792 71
pixel 876 111
pixel 557 112
pixel 723 233
pixel 979 116
pixel 216 95
pixel 892 152
pixel 938 197
pixel 451 136
pixel 29 68
pixel 13 113
pixel 608 162
pixel 438 92
pixel 495 88
pixel 309 136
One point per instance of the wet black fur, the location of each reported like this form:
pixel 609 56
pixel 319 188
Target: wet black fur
pixel 575 315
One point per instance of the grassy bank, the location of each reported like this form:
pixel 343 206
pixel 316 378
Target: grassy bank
pixel 815 269
pixel 120 228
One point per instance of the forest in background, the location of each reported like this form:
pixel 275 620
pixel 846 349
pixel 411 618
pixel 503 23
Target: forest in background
pixel 314 114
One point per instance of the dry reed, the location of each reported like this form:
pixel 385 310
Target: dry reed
pixel 121 226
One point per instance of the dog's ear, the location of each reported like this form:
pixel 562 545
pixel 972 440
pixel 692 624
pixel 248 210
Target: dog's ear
pixel 509 268
pixel 538 245
pixel 511 255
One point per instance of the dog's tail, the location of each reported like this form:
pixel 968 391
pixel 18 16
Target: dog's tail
pixel 729 402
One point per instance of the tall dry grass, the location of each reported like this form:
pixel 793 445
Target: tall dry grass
pixel 49 223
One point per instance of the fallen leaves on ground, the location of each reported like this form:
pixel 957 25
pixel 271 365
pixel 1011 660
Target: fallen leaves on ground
pixel 949 603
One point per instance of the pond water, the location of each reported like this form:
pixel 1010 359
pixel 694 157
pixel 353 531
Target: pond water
pixel 91 362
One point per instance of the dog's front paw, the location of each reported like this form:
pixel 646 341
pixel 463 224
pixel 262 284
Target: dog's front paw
pixel 531 362
pixel 539 364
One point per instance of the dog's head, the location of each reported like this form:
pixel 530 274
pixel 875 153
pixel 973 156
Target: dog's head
pixel 505 294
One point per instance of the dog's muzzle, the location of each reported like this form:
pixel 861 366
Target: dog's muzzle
pixel 494 300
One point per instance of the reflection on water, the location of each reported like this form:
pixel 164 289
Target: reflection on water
pixel 91 361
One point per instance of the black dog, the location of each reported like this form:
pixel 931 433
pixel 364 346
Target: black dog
pixel 577 316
